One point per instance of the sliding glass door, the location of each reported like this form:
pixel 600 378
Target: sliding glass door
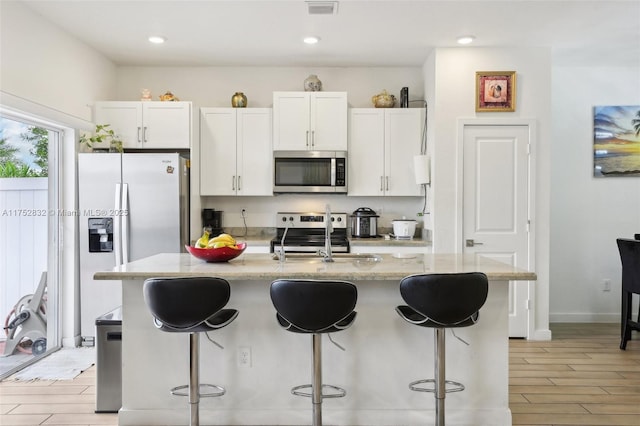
pixel 30 255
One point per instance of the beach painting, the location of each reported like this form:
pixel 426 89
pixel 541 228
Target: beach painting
pixel 616 141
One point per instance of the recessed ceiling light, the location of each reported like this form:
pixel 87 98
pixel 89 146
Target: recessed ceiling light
pixel 311 39
pixel 466 39
pixel 157 39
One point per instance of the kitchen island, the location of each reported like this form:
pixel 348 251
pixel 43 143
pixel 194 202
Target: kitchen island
pixel 383 352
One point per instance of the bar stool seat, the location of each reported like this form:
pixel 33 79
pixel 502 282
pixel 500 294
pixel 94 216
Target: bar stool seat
pixel 190 305
pixel 315 307
pixel 442 301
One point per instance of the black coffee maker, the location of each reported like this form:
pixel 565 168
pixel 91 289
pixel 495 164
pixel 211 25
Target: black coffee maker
pixel 212 221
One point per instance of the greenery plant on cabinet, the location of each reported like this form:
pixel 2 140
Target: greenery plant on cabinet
pixel 103 135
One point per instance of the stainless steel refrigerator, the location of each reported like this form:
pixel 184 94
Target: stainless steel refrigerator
pixel 131 206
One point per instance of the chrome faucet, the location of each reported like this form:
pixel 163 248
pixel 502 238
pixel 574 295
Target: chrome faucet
pixel 281 253
pixel 328 229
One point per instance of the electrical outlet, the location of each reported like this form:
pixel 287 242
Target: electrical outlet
pixel 244 356
pixel 606 284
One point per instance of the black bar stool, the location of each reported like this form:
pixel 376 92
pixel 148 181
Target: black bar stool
pixel 315 307
pixel 442 301
pixel 190 305
pixel 630 258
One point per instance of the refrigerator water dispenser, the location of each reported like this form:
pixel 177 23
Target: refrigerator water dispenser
pixel 100 234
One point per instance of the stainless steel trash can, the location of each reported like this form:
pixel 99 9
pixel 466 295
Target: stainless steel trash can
pixel 109 361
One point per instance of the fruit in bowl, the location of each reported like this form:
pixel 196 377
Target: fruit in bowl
pixel 217 249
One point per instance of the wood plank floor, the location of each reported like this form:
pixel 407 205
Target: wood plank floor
pixel 579 378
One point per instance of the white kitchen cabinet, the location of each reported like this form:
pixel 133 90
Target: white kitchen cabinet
pixel 235 151
pixel 148 125
pixel 314 121
pixel 382 143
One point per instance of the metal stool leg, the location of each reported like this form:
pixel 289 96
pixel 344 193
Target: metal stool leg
pixel 318 391
pixel 316 379
pixel 440 385
pixel 194 378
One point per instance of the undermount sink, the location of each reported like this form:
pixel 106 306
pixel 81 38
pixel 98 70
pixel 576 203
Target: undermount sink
pixel 337 257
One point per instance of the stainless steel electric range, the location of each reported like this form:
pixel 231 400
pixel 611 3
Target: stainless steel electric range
pixel 305 232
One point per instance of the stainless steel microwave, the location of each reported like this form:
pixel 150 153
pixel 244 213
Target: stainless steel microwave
pixel 310 171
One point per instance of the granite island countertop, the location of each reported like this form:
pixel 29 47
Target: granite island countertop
pixel 259 266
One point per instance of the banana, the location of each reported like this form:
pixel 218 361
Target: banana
pixel 224 238
pixel 203 241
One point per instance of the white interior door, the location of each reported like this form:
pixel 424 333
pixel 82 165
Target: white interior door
pixel 496 205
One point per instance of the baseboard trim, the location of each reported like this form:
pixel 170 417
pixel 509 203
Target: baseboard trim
pixel 585 317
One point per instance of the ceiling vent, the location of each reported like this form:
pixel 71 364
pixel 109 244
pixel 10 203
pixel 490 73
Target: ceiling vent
pixel 322 7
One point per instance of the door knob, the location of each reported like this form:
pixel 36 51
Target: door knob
pixel 471 243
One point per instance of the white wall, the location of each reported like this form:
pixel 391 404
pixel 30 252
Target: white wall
pixel 454 98
pixel 43 64
pixel 46 74
pixel 588 213
pixel 214 86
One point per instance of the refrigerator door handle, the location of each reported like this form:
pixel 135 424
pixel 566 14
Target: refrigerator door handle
pixel 123 216
pixel 117 243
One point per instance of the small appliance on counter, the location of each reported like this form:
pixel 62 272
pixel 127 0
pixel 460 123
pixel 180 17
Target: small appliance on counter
pixel 212 221
pixel 404 229
pixel 364 223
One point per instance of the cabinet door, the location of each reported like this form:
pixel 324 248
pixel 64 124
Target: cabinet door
pixel 291 121
pixel 217 151
pixel 125 118
pixel 166 124
pixel 403 136
pixel 255 157
pixel 329 121
pixel 365 174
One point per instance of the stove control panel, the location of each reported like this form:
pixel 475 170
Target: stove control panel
pixel 309 220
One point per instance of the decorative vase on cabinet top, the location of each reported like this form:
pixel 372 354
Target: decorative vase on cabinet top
pixel 312 84
pixel 383 100
pixel 239 100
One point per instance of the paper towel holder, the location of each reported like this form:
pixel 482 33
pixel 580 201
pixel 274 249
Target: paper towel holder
pixel 422 169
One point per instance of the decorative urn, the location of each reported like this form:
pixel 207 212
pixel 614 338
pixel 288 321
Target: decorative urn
pixel 239 100
pixel 312 84
pixel 383 100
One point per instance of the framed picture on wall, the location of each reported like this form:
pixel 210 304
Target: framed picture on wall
pixel 616 140
pixel 495 91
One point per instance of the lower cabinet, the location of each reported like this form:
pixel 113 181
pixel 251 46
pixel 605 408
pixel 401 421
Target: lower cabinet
pixel 235 151
pixel 382 144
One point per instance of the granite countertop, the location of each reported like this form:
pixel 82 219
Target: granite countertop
pixel 250 266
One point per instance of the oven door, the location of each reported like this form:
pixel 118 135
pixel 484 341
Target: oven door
pixel 309 171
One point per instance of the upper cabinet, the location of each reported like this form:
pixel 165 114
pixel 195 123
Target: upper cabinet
pixel 235 151
pixel 148 125
pixel 314 121
pixel 382 143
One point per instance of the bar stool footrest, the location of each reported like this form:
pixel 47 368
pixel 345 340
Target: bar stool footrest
pixel 340 392
pixel 451 386
pixel 220 390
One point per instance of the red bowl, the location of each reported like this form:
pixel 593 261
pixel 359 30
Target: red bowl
pixel 221 254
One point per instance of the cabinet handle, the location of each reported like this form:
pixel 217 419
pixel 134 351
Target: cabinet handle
pixel 139 135
pixel 307 138
pixel 381 183
pixel 233 183
pixel 239 182
pixel 387 180
pixel 313 138
pixel 144 134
